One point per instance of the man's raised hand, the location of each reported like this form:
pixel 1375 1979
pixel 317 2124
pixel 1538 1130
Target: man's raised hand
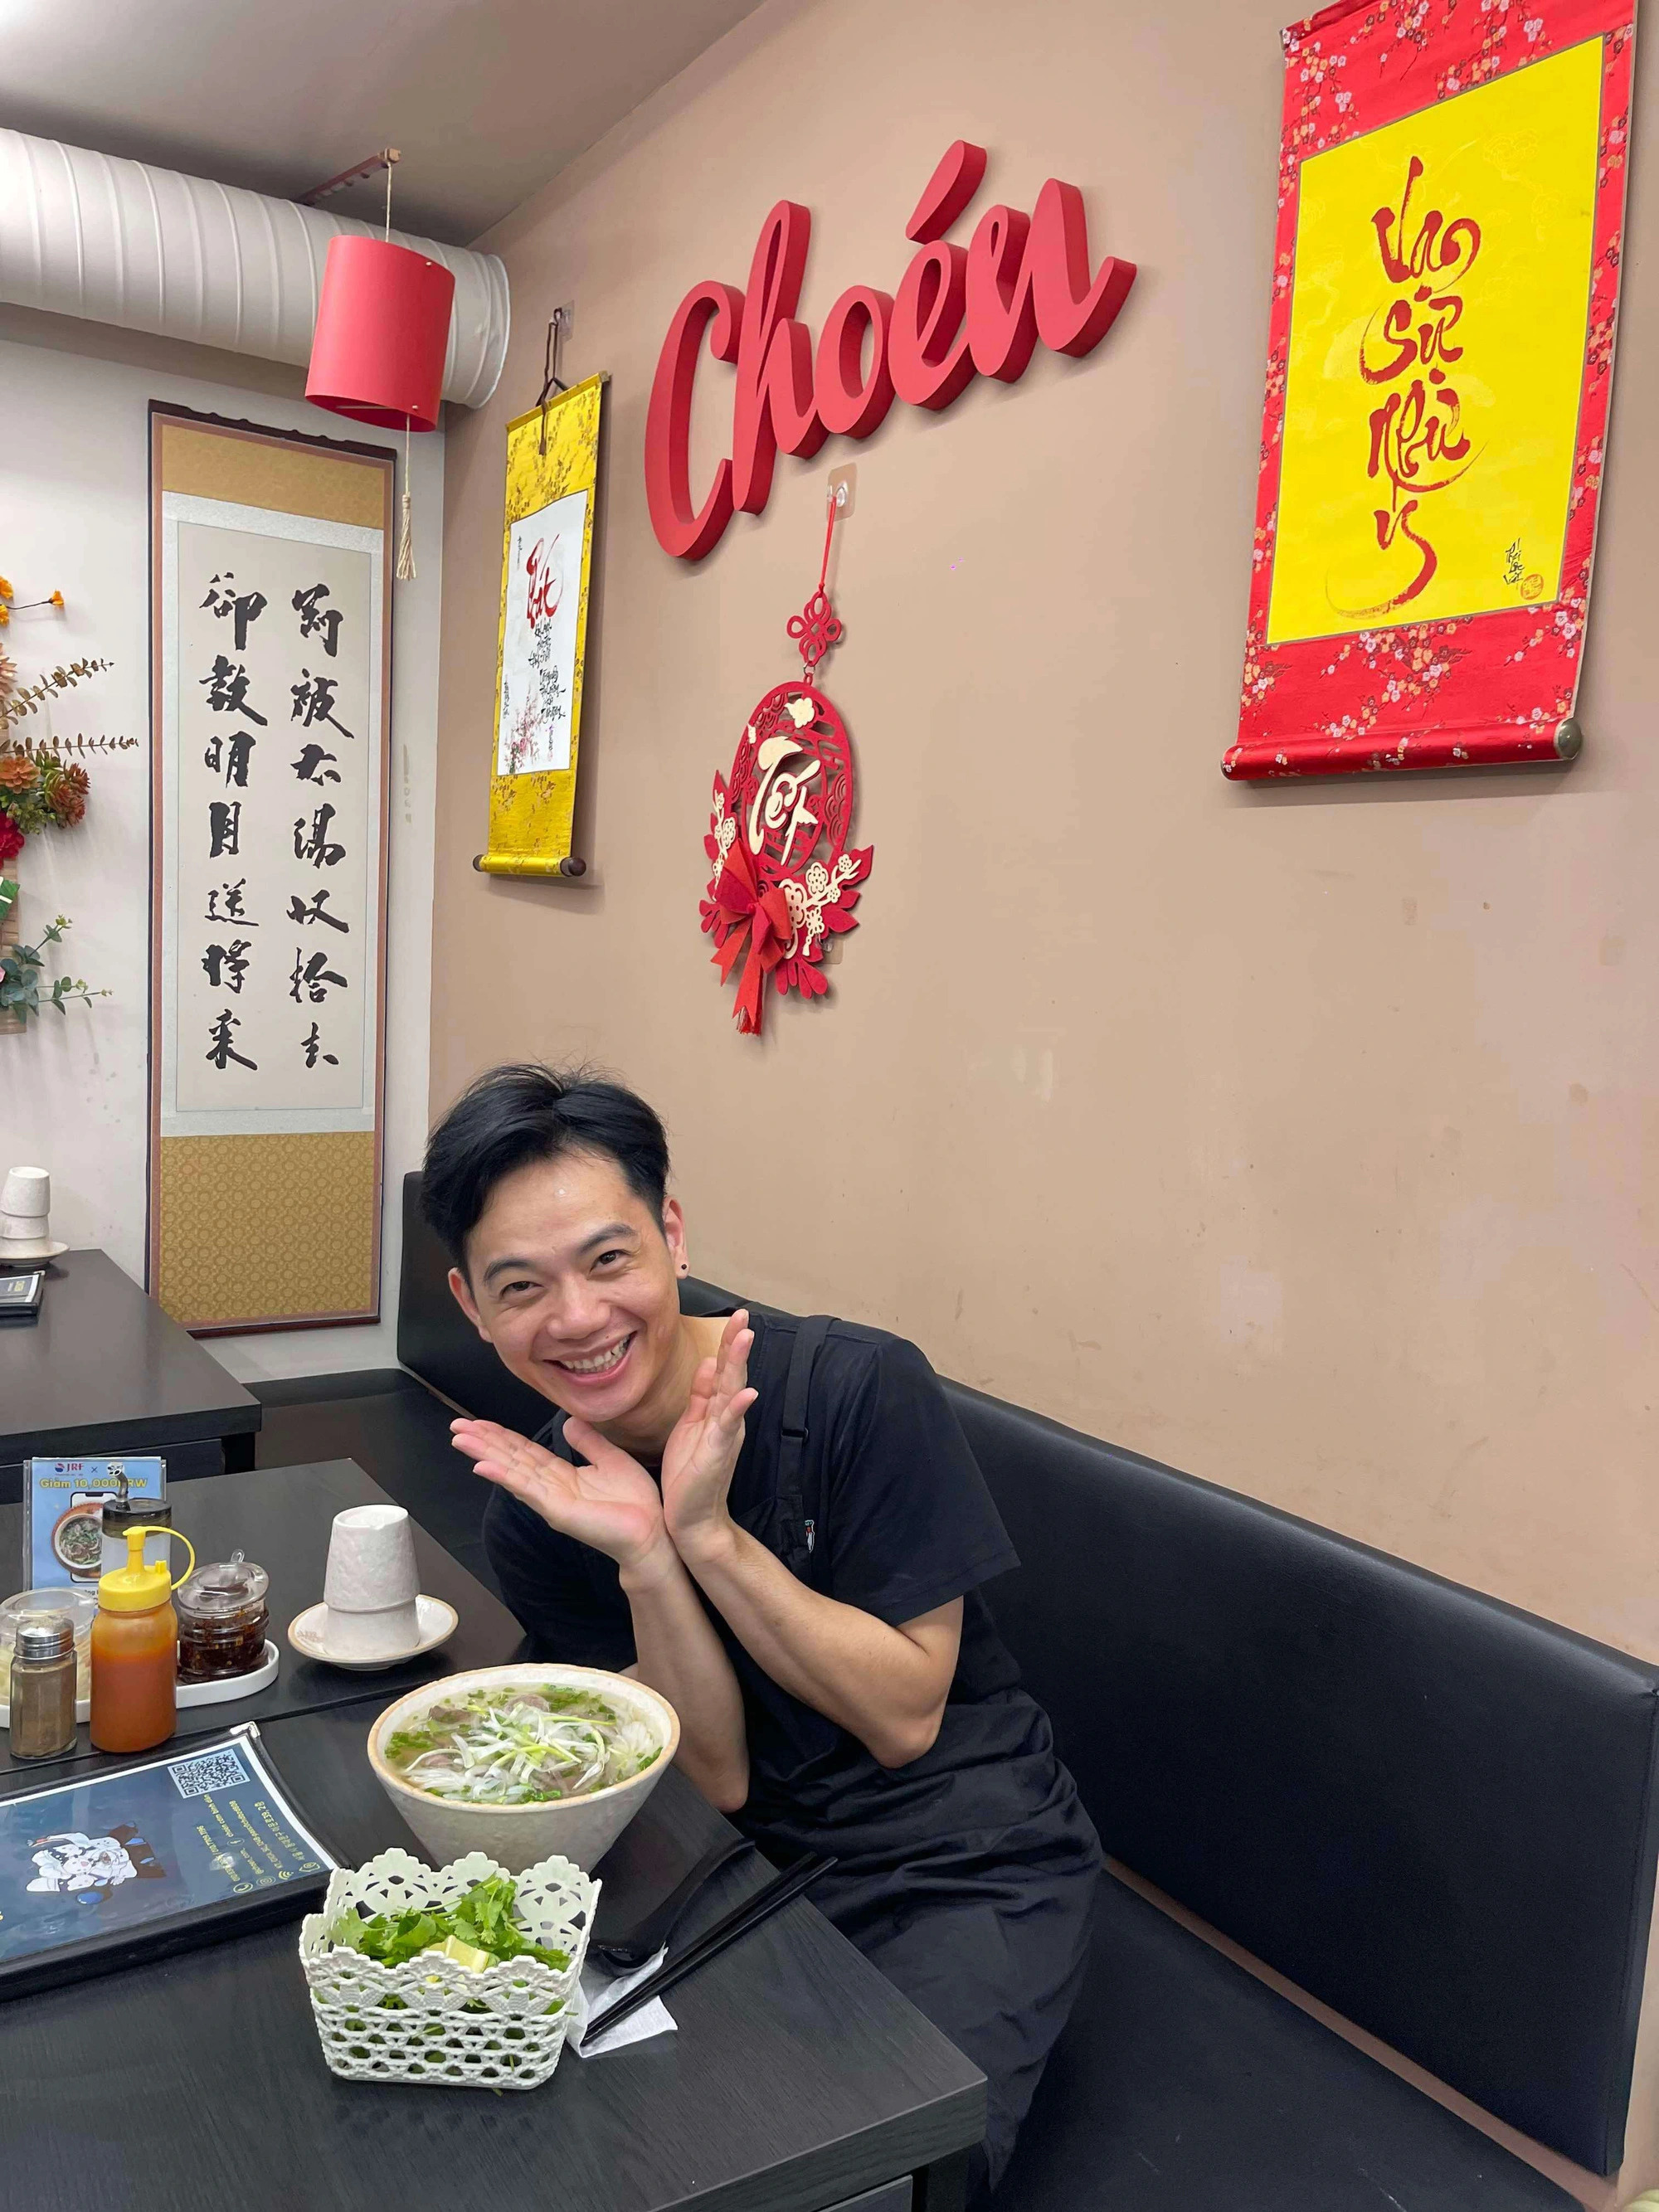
pixel 611 1503
pixel 699 1458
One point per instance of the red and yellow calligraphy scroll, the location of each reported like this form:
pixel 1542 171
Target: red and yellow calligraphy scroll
pixel 1440 360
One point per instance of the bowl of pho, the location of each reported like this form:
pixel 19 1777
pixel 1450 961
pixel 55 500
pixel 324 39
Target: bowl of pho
pixel 523 1762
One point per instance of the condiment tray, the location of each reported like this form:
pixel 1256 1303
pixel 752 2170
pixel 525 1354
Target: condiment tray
pixel 198 1693
pixel 237 1686
pixel 438 1623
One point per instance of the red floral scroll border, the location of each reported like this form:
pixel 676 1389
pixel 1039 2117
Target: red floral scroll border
pixel 1483 689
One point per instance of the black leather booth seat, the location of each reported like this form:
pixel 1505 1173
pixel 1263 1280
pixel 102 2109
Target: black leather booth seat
pixel 1434 1812
pixel 1431 1811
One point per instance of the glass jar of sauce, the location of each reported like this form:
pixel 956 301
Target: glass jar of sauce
pixel 222 1621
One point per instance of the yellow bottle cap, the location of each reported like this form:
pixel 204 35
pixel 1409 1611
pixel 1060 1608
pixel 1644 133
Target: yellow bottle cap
pixel 136 1588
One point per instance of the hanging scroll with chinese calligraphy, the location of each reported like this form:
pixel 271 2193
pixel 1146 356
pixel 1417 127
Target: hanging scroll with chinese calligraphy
pixel 270 665
pixel 552 477
pixel 1439 368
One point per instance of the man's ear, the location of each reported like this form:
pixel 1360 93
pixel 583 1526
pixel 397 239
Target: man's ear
pixel 463 1294
pixel 673 1234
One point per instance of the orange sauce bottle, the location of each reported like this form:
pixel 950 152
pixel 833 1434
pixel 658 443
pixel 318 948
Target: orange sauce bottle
pixel 135 1653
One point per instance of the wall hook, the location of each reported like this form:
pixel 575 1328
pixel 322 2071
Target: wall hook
pixel 558 329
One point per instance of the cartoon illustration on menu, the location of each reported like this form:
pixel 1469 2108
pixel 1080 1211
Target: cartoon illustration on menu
pixel 90 1867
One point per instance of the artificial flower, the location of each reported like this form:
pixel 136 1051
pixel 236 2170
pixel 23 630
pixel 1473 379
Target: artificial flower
pixel 65 790
pixel 56 600
pixel 11 839
pixel 17 772
pixel 6 590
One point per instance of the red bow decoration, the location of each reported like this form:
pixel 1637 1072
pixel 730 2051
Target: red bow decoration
pixel 760 919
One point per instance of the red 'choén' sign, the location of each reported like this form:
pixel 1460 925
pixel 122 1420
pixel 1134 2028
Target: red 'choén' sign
pixel 960 310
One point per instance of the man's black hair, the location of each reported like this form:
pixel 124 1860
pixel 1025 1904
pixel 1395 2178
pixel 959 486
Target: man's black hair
pixel 512 1116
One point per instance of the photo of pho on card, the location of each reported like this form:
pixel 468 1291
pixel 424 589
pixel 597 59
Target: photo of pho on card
pixel 64 1502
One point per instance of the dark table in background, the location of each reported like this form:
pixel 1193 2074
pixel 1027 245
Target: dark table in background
pixel 104 1370
pixel 798 2080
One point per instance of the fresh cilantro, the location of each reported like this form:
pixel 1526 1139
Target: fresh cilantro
pixel 483 1918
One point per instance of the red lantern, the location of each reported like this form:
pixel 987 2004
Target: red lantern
pixel 382 333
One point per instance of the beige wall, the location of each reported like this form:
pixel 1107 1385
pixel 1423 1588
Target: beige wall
pixel 1302 1139
pixel 75 498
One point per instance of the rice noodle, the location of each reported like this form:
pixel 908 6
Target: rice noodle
pixel 521 1747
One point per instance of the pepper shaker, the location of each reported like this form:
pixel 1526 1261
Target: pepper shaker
pixel 43 1686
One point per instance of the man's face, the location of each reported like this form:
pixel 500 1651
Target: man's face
pixel 572 1278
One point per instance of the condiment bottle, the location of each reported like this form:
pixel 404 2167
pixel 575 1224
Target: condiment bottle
pixel 222 1619
pixel 43 1686
pixel 134 1654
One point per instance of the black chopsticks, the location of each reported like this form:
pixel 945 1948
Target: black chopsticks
pixel 731 1929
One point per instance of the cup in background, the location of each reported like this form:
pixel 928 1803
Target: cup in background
pixel 27 1191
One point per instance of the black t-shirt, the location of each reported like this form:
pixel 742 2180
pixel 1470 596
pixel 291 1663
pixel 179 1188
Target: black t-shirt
pixel 900 1522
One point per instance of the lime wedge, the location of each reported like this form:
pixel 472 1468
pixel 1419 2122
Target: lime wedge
pixel 463 1955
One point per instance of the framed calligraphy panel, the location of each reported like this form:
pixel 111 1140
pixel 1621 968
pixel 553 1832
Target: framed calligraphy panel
pixel 1439 368
pixel 270 665
pixel 547 552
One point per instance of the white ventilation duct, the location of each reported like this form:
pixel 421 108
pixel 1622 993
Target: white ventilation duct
pixel 149 250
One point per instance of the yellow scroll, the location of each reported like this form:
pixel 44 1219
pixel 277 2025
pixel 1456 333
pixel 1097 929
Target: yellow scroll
pixel 1452 248
pixel 547 544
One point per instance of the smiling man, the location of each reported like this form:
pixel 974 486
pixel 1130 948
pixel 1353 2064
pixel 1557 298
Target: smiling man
pixel 779 1525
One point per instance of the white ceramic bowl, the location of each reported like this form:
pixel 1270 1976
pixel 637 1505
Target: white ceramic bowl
pixel 579 1829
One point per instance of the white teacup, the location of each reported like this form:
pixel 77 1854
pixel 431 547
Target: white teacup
pixel 371 1560
pixel 371 1583
pixel 27 1191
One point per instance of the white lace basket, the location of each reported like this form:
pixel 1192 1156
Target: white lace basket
pixel 500 2028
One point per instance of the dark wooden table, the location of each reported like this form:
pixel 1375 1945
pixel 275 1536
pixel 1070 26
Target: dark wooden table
pixel 105 1370
pixel 280 1516
pixel 799 2080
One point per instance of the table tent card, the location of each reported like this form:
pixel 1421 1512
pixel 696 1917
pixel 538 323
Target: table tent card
pixel 63 1524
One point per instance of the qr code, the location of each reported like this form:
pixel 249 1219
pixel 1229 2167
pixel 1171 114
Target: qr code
pixel 198 1777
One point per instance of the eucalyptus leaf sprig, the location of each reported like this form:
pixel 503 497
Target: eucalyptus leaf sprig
pixel 22 968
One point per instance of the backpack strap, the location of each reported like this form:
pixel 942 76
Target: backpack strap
pixel 795 1510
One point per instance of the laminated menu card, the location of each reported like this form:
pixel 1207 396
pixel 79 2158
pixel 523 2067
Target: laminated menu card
pixel 62 1499
pixel 179 1848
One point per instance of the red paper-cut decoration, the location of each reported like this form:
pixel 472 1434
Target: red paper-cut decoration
pixel 784 877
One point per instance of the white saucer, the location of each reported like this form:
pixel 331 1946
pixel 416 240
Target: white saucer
pixel 29 1255
pixel 438 1622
